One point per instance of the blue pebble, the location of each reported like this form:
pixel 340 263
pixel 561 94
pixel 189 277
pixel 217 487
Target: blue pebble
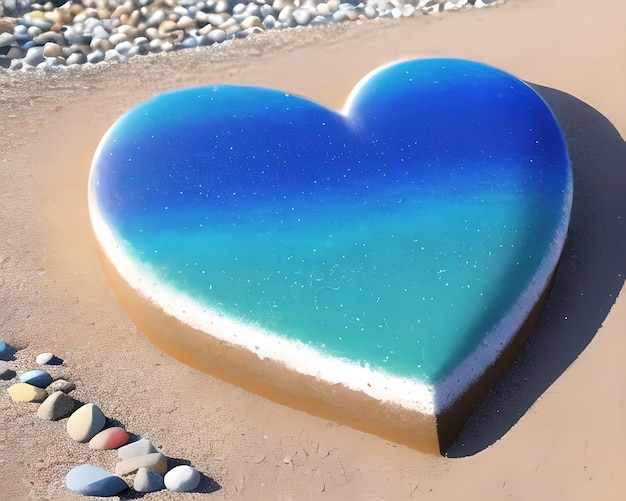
pixel 37 377
pixel 6 351
pixel 90 480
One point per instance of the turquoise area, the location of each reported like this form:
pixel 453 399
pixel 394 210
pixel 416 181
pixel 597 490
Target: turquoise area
pixel 396 236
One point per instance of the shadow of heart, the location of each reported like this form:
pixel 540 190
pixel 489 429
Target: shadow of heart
pixel 588 278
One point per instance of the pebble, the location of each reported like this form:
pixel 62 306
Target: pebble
pixel 182 478
pixel 7 39
pixel 51 49
pixel 57 406
pixel 34 56
pixel 155 461
pixel 148 481
pixel 217 35
pixel 36 377
pixel 23 392
pixel 139 448
pixel 102 25
pixel 111 438
pixel 85 423
pixel 112 55
pixel 90 480
pixel 60 385
pixel 4 348
pixel 76 58
pixel 5 370
pixel 302 16
pixel 44 358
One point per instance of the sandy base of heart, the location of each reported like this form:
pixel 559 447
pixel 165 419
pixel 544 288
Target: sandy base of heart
pixel 552 429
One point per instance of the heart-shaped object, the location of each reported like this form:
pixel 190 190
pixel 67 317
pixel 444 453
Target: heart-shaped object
pixel 374 265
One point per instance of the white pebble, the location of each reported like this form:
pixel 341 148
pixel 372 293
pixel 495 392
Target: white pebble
pixel 44 358
pixel 182 479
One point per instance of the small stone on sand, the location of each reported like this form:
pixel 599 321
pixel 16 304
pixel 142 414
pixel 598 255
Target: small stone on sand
pixel 57 406
pixel 37 377
pixel 85 423
pixel 43 358
pixel 47 359
pixel 93 481
pixel 60 385
pixel 147 481
pixel 24 392
pixel 111 438
pixel 155 461
pixel 139 448
pixel 182 478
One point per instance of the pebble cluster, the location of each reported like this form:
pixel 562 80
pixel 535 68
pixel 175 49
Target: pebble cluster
pixel 91 31
pixel 140 465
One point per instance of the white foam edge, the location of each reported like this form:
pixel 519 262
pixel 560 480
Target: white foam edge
pixel 295 355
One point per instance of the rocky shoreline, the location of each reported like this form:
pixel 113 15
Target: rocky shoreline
pixel 51 36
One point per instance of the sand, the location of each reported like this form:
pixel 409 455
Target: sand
pixel 552 428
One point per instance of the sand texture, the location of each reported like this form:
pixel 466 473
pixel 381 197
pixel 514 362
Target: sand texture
pixel 553 427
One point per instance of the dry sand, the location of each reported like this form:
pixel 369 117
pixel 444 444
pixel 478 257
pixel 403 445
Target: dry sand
pixel 552 429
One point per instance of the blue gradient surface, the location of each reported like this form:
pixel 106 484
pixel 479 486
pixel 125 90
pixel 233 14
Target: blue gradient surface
pixel 397 234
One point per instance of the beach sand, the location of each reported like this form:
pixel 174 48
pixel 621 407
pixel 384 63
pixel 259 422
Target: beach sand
pixel 551 429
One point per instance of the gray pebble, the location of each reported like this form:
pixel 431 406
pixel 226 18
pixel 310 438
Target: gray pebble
pixel 97 56
pixel 21 33
pixel 75 35
pixel 217 35
pixel 139 448
pixel 286 17
pixel 188 43
pixel 370 12
pixel 60 385
pixel 76 58
pixel 151 33
pixel 155 45
pixel 167 46
pixel 302 16
pixel 57 406
pixel 269 22
pixel 156 18
pixel 320 20
pixel 147 481
pixel 33 31
pixel 7 39
pixel 34 56
pixel 221 6
pixel 125 48
pixel 112 55
pixel 99 32
pixel 266 10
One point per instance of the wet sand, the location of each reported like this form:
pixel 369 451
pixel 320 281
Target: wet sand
pixel 553 427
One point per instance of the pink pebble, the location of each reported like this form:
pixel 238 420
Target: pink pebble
pixel 111 438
